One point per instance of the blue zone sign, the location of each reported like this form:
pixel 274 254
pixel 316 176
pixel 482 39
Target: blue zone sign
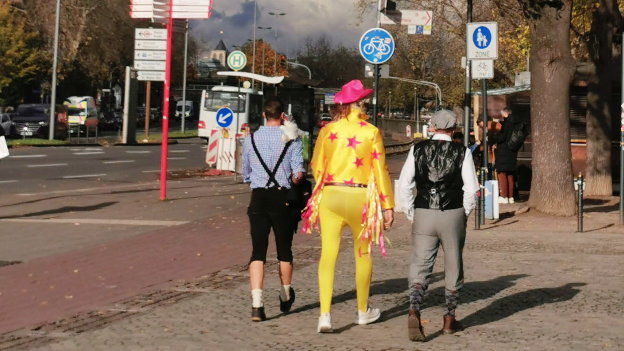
pixel 376 45
pixel 224 117
pixel 482 37
pixel 481 40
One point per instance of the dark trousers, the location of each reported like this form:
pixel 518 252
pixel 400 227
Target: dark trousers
pixel 268 209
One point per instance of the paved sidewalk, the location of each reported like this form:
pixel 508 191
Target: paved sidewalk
pixel 530 284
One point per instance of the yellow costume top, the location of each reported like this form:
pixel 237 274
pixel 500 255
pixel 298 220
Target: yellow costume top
pixel 351 151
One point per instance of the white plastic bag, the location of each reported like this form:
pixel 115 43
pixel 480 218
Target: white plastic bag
pixel 4 149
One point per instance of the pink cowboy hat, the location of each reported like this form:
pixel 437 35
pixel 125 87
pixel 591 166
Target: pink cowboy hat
pixel 351 92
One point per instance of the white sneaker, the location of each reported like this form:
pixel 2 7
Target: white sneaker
pixel 324 323
pixel 503 200
pixel 511 200
pixel 371 315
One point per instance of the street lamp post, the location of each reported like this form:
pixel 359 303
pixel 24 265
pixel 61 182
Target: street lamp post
pixel 253 55
pixel 263 52
pixel 275 63
pixel 57 24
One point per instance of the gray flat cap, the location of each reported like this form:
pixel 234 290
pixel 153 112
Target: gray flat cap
pixel 443 119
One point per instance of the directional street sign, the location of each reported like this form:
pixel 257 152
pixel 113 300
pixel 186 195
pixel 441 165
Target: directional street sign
pixel 150 34
pixel 150 44
pixel 482 40
pixel 149 65
pixel 159 9
pixel 407 17
pixel 482 69
pixel 376 45
pixel 224 117
pixel 237 60
pixel 150 55
pixel 154 76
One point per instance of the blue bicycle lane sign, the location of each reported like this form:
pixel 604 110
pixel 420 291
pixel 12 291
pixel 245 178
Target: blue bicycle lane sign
pixel 376 45
pixel 224 117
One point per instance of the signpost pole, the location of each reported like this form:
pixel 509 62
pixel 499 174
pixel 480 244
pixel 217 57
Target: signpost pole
pixel 622 141
pixel 148 105
pixel 376 94
pixel 485 120
pixel 165 118
pixel 467 87
pixel 184 76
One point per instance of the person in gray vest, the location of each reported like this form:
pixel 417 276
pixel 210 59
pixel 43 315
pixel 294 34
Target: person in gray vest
pixel 443 174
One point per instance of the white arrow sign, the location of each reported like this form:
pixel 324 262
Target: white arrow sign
pixel 223 119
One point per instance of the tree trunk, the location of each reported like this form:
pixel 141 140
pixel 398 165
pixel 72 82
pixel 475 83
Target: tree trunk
pixel 605 22
pixel 552 68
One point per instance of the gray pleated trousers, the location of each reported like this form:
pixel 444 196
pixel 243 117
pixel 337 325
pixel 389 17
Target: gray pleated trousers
pixel 430 229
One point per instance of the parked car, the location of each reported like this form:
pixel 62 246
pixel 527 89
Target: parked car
pixel 33 120
pixel 82 114
pixel 111 120
pixel 189 110
pixel 324 119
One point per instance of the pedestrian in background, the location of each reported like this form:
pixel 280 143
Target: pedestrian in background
pixel 269 165
pixel 508 142
pixel 353 188
pixel 443 174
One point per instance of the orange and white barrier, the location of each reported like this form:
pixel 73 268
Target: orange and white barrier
pixel 213 148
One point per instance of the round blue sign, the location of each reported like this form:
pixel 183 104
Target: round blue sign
pixel 224 117
pixel 376 45
pixel 482 37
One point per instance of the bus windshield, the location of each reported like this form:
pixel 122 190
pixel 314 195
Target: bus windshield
pixel 218 99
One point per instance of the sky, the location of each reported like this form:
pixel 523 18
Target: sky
pixel 232 21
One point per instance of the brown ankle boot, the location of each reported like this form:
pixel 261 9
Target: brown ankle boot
pixel 414 328
pixel 451 325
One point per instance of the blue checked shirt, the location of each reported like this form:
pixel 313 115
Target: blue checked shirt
pixel 270 145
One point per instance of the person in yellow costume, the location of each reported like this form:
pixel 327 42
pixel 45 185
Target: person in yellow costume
pixel 353 188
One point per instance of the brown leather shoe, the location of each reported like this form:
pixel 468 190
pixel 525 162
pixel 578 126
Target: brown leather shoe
pixel 451 325
pixel 414 328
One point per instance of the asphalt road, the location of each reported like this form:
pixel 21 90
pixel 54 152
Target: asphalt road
pixel 36 170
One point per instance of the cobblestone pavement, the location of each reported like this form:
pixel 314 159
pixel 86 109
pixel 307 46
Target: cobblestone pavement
pixel 531 284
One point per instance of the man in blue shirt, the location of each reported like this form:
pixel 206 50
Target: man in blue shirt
pixel 269 165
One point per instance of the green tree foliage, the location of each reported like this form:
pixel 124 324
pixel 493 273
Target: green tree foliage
pixel 332 64
pixel 20 60
pixel 268 61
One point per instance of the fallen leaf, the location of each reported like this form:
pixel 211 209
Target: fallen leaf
pixel 69 297
pixel 76 271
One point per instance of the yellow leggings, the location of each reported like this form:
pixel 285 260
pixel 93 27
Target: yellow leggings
pixel 342 205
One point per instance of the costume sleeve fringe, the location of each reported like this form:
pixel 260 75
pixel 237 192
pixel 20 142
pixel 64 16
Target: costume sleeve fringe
pixel 372 218
pixel 309 215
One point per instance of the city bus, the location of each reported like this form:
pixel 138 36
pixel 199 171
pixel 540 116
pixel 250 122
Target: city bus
pixel 245 103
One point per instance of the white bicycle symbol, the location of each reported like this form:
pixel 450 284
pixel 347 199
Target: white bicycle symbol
pixel 376 44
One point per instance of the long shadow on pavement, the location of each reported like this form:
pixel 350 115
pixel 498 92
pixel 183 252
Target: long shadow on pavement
pixel 65 209
pixel 471 292
pixel 390 286
pixel 511 304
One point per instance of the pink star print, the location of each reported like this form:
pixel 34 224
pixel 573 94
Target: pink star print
pixel 375 155
pixel 358 162
pixel 350 181
pixel 382 197
pixel 353 142
pixel 329 178
pixel 363 124
pixel 333 136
